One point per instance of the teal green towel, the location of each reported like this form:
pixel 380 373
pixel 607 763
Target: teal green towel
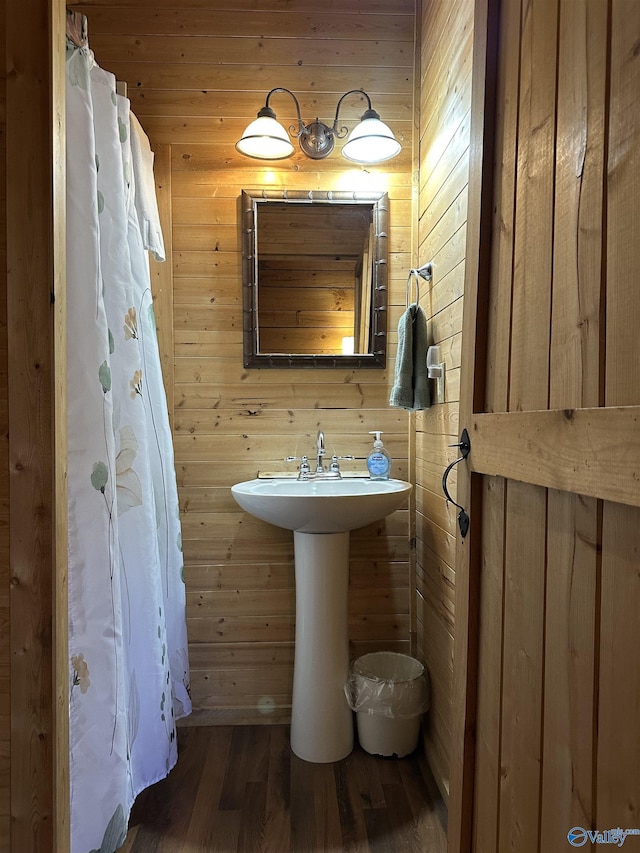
pixel 411 387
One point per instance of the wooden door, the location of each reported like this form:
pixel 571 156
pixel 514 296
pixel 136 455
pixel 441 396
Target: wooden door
pixel 547 654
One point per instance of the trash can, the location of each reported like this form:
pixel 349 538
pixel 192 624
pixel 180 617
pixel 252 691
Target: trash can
pixel 389 692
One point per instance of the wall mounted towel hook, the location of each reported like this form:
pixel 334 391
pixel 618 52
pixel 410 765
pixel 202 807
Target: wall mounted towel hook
pixel 425 272
pixel 465 449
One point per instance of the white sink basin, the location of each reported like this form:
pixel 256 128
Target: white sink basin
pixel 321 506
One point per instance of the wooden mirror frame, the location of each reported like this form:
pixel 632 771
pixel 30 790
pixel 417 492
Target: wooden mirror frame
pixel 251 201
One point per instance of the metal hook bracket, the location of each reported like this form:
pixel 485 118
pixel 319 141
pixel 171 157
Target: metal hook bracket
pixel 425 272
pixel 465 449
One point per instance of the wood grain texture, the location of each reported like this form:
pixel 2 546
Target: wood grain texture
pixel 197 74
pixel 5 613
pixel 216 20
pixel 574 522
pixel 488 755
pixel 617 794
pixel 555 628
pixel 242 789
pixel 37 427
pixel 555 447
pixel 522 696
pixel 401 7
pixel 570 673
pixel 617 791
pixel 533 234
pixel 577 323
pixel 505 182
pixel 488 749
pixel 623 209
pixel 445 97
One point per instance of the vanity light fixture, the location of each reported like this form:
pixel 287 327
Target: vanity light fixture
pixel 371 141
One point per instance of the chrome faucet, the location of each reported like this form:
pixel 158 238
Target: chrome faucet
pixel 321 452
pixel 305 472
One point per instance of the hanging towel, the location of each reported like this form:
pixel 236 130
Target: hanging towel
pixel 411 388
pixel 145 190
pixel 421 394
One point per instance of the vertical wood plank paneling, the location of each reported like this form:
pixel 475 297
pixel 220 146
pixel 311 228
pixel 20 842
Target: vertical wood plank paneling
pixel 578 216
pixel 5 659
pixel 197 75
pixel 526 506
pixel 505 183
pixel 618 781
pixel 490 637
pixel 488 769
pixel 574 521
pixel 37 425
pixel 566 675
pixel 522 678
pixel 489 719
pixel 618 758
pixel 569 673
pixel 623 208
pixel 533 246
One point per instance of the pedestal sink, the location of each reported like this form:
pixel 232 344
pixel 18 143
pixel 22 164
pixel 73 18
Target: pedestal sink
pixel 321 513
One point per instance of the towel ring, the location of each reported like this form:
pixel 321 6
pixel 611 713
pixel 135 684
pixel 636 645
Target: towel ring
pixel 425 272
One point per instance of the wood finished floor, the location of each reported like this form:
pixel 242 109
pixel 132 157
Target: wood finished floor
pixel 240 788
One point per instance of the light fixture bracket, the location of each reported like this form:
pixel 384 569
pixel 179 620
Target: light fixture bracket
pixel 317 140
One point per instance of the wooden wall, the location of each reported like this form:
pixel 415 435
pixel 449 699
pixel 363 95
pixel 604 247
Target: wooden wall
pixel 445 105
pixel 197 74
pixel 5 683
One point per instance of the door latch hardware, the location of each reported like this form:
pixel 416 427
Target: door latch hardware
pixel 465 449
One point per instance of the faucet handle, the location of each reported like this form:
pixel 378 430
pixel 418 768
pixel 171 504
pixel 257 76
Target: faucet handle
pixel 334 468
pixel 305 468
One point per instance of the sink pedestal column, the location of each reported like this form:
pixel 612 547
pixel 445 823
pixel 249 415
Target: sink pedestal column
pixel 321 720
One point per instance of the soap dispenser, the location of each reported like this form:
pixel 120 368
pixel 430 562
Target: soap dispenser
pixel 378 461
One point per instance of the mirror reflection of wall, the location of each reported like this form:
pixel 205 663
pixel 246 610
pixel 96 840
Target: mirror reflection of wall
pixel 314 273
pixel 314 278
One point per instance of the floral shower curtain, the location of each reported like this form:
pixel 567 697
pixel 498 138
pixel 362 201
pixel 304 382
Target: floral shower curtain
pixel 129 671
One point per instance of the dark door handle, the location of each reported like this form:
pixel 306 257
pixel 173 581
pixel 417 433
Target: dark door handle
pixel 465 449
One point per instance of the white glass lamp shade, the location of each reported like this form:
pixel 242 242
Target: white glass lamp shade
pixel 265 139
pixel 371 141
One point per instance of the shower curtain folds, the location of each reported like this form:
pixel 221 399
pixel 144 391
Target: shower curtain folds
pixel 128 668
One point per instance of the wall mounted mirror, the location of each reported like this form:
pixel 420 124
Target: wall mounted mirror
pixel 314 270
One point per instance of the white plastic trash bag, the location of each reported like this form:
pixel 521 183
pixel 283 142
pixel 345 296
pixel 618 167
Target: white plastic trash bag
pixel 389 684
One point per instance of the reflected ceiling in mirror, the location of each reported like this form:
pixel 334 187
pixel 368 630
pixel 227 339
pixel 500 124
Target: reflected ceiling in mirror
pixel 314 278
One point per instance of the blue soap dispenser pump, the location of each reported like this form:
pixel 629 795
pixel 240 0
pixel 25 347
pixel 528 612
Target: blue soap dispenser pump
pixel 378 461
